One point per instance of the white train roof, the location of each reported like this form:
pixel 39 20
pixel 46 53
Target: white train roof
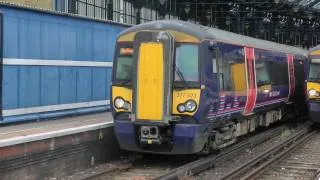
pixel 203 32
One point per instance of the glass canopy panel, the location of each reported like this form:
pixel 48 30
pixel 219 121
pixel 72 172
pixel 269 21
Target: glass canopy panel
pixel 317 6
pixel 306 2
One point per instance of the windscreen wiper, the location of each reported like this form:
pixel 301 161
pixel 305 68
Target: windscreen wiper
pixel 181 76
pixel 126 80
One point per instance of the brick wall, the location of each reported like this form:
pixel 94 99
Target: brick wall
pixel 44 4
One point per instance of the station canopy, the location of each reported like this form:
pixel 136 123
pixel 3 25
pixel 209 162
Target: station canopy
pixel 292 22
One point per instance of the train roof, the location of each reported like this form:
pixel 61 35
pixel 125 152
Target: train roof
pixel 315 52
pixel 315 48
pixel 203 32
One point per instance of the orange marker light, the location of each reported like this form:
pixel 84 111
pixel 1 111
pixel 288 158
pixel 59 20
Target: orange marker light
pixel 126 51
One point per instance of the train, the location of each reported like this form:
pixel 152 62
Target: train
pixel 313 84
pixel 182 88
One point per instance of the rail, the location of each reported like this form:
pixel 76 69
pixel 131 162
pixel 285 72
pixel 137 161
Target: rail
pixel 201 165
pixel 269 156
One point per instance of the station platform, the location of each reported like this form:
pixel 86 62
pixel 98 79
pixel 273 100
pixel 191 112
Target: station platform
pixel 35 131
pixel 75 142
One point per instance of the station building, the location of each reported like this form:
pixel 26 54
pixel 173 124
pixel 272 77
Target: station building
pixel 293 22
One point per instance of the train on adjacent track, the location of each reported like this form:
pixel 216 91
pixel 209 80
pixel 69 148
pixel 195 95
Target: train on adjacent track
pixel 314 84
pixel 181 88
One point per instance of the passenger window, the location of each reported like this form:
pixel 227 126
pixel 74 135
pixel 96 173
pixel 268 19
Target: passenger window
pixel 214 65
pixel 267 70
pixel 262 73
pixel 232 71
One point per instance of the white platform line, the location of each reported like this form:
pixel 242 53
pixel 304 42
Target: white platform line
pixel 48 62
pixel 53 134
pixel 58 107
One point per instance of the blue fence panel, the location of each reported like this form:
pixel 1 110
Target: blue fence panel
pixel 49 42
pixel 84 45
pixel 84 84
pixel 10 87
pixel 29 41
pixel 11 42
pixel 49 86
pixel 68 80
pixel 99 84
pixel 29 83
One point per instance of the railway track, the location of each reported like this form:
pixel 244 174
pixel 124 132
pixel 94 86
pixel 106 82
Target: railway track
pixel 201 165
pixel 255 166
pixel 301 160
pixel 173 167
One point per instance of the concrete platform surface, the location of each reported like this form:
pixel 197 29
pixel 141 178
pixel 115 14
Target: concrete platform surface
pixel 34 131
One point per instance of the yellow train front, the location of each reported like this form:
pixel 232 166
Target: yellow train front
pixel 149 100
pixel 314 84
pixel 181 88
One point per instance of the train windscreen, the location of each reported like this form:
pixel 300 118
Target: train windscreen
pixel 314 73
pixel 124 65
pixel 186 63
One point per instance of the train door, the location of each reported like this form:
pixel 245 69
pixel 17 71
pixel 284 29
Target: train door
pixel 299 95
pixel 152 89
pixel 212 82
pixel 230 78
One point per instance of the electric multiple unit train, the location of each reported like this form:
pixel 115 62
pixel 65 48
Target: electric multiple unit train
pixel 314 84
pixel 181 88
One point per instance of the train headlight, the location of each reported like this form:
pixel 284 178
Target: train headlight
pixel 313 92
pixel 191 105
pixel 188 106
pixel 181 108
pixel 120 103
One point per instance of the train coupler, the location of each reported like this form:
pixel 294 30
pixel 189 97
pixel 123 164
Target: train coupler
pixel 150 135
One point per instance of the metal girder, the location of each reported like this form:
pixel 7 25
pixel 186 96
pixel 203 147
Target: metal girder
pixel 296 1
pixel 313 3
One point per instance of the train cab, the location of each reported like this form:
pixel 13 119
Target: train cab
pixel 314 84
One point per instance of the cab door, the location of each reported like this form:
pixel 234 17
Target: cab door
pixel 212 83
pixel 152 82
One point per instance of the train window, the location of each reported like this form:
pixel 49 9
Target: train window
pixel 187 68
pixel 214 64
pixel 276 77
pixel 262 73
pixel 124 64
pixel 232 69
pixel 268 68
pixel 314 72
